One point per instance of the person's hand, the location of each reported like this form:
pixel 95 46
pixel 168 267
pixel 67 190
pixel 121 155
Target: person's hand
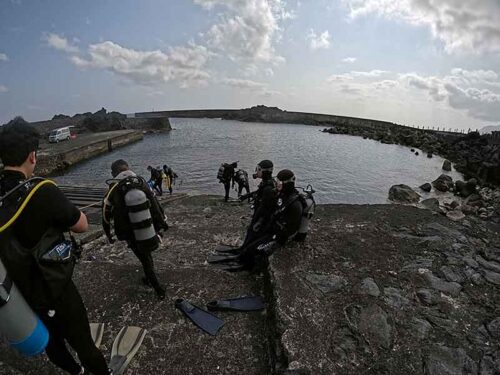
pixel 257 226
pixel 268 248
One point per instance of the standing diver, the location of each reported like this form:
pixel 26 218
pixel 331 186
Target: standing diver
pixel 169 178
pixel 284 225
pixel 156 179
pixel 138 222
pixel 241 178
pixel 225 176
pixel 49 289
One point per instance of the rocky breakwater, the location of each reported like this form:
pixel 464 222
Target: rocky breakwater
pixel 102 121
pixel 454 199
pixel 474 155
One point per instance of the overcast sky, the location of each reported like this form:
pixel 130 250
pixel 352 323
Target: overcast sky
pixel 418 62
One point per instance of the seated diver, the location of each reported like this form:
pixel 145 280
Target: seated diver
pixel 285 223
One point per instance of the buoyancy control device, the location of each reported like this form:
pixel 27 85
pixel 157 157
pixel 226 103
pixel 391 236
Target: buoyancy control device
pixel 19 325
pixel 139 214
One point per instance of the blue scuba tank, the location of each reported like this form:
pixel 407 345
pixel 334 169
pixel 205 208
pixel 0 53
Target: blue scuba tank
pixel 19 325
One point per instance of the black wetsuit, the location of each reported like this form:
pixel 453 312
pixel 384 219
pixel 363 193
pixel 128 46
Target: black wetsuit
pixel 264 207
pixel 67 321
pixel 157 180
pixel 116 210
pixel 171 175
pixel 285 223
pixel 241 178
pixel 226 180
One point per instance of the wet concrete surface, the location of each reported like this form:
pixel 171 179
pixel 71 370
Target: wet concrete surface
pixel 382 289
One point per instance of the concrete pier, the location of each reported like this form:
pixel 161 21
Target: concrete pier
pixel 57 157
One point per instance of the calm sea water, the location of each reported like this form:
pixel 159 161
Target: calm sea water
pixel 342 169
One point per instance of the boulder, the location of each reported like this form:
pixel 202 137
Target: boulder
pixel 426 187
pixel 443 183
pixel 455 215
pixel 447 165
pixel 431 204
pixel 464 189
pixel 403 194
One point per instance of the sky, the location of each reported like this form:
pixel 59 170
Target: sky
pixel 413 62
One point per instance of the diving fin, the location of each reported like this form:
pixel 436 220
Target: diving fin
pixel 237 304
pixel 232 266
pixel 227 249
pixel 97 331
pixel 125 346
pixel 203 319
pixel 222 258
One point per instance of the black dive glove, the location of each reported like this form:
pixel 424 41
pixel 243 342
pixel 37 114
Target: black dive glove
pixel 268 248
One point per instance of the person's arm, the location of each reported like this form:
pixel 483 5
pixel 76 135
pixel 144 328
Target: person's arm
pixel 267 204
pixel 291 223
pixel 82 224
pixel 157 213
pixel 107 212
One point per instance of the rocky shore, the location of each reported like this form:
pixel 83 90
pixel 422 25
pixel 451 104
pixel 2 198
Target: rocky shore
pixel 476 156
pixel 375 289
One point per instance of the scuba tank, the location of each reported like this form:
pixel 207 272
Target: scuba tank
pixel 308 205
pixel 19 325
pixel 220 172
pixel 138 205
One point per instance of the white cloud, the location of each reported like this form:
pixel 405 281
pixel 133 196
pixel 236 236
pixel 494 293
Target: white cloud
pixel 478 101
pixel 248 30
pixel 459 24
pixel 355 74
pixel 245 84
pixel 3 89
pixel 4 57
pixel 475 92
pixel 185 65
pixel 349 60
pixel 321 41
pixel 59 42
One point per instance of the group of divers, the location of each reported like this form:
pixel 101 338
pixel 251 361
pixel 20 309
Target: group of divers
pixel 40 306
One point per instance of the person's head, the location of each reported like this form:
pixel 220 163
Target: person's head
pixel 165 167
pixel 285 181
pixel 118 166
pixel 18 145
pixel 150 168
pixel 264 169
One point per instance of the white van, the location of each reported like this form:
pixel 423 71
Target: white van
pixel 60 134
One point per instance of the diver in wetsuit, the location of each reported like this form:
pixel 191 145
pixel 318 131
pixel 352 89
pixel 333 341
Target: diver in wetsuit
pixel 241 178
pixel 225 176
pixel 155 179
pixel 169 178
pixel 265 199
pixel 284 223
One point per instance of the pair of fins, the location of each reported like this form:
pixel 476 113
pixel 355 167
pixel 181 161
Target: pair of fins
pixel 125 346
pixel 209 322
pixel 227 258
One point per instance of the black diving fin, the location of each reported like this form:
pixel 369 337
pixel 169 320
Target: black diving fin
pixel 227 249
pixel 222 258
pixel 231 266
pixel 254 303
pixel 202 318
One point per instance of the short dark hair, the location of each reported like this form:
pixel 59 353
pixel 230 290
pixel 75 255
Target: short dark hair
pixel 17 139
pixel 118 166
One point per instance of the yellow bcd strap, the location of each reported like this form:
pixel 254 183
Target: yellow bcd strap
pixel 104 204
pixel 25 202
